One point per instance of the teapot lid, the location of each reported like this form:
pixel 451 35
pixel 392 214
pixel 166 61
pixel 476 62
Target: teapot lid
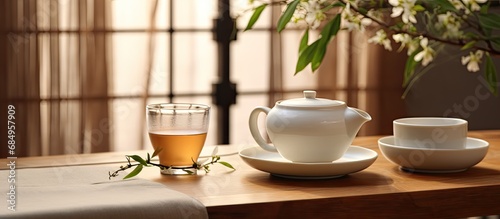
pixel 310 100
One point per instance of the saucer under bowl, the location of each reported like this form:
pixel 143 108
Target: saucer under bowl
pixel 427 160
pixel 355 159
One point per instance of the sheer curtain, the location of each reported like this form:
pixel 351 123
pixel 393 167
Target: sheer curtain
pixel 57 75
pixel 79 75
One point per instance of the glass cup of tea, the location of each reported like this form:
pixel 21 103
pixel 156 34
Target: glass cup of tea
pixel 179 130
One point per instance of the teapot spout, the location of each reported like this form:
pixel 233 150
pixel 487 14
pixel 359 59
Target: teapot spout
pixel 354 119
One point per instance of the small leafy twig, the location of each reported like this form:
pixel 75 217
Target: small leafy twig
pixel 203 165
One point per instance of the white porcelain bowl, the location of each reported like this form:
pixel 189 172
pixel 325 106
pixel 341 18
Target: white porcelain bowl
pixel 430 132
pixel 434 160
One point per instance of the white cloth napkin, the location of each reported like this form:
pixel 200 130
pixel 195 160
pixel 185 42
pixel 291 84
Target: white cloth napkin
pixel 86 192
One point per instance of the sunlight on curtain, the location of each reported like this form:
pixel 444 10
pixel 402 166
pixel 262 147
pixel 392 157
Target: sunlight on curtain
pixel 73 76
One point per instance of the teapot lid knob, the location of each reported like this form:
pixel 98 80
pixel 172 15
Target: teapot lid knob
pixel 310 94
pixel 310 101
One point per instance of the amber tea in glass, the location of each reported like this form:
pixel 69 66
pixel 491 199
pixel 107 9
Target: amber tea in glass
pixel 180 131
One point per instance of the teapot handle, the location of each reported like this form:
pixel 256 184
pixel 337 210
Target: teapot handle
pixel 254 128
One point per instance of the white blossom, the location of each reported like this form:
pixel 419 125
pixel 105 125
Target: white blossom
pixel 405 9
pixel 352 21
pixel 473 5
pixel 427 53
pixel 314 14
pixel 310 12
pixel 381 39
pixel 473 60
pixel 458 4
pixel 407 41
pixel 450 24
pixel 377 14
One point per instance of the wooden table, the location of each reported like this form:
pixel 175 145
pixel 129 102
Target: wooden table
pixel 382 190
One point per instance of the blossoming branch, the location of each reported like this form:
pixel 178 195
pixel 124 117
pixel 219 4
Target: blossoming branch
pixel 421 27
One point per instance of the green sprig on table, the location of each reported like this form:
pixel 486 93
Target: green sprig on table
pixel 141 163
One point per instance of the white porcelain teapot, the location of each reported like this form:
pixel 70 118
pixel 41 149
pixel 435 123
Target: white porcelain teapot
pixel 309 129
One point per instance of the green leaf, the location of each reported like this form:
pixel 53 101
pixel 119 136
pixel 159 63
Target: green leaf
pixel 496 43
pixel 329 31
pixel 227 164
pixel 138 159
pixel 485 8
pixel 491 21
pixel 287 15
pixel 319 54
pixel 410 68
pixel 255 16
pixel 470 35
pixel 156 152
pixel 362 11
pixel 134 172
pixel 469 45
pixel 491 75
pixel 445 5
pixel 332 28
pixel 334 5
pixel 188 171
pixel 304 40
pixel 305 57
pixel 418 8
